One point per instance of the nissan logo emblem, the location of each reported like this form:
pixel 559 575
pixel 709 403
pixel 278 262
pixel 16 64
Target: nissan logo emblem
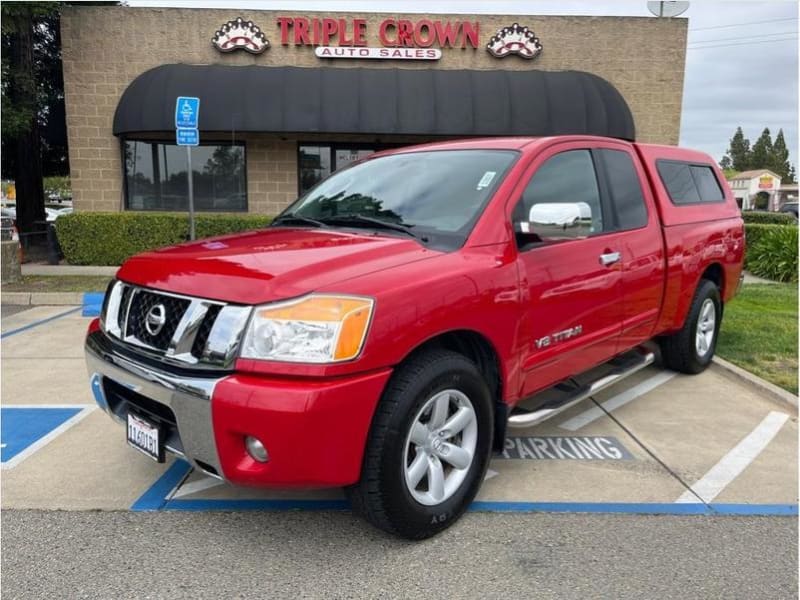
pixel 155 319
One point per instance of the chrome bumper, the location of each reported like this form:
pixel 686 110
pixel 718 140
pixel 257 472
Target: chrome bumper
pixel 189 399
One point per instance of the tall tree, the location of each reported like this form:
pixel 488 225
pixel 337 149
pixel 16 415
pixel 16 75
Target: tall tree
pixel 739 151
pixel 761 156
pixel 779 161
pixel 22 91
pixel 726 163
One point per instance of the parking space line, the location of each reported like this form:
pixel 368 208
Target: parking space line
pixel 157 495
pixel 629 395
pixel 86 410
pixel 37 323
pixel 735 461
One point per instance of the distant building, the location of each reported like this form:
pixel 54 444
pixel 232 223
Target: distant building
pixel 748 185
pixel 787 193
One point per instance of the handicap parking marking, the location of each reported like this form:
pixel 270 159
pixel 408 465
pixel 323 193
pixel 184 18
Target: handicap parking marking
pixel 550 447
pixel 730 466
pixel 25 428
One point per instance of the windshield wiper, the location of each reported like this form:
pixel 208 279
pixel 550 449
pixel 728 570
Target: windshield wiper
pixel 373 222
pixel 299 219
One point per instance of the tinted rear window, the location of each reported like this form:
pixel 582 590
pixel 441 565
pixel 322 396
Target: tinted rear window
pixel 626 191
pixel 689 184
pixel 707 184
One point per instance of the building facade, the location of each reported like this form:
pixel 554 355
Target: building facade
pixel 268 132
pixel 748 186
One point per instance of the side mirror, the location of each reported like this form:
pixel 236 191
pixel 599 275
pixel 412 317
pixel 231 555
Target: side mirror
pixel 557 220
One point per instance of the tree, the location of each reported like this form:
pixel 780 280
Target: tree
pixel 790 176
pixel 779 161
pixel 739 151
pixel 761 156
pixel 23 88
pixel 726 163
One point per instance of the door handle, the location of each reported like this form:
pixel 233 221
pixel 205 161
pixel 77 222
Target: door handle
pixel 609 258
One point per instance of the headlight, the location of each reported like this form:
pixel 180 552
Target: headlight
pixel 316 329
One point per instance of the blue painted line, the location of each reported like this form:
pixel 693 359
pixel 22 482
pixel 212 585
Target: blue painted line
pixel 37 323
pixel 156 496
pixel 92 303
pixel 519 507
pixel 644 508
pixel 786 510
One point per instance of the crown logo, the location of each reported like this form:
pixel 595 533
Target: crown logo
pixel 517 40
pixel 240 35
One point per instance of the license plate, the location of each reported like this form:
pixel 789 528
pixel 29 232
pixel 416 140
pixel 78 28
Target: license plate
pixel 145 437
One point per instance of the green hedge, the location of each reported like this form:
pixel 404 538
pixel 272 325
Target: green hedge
pixel 97 238
pixel 772 251
pixel 761 216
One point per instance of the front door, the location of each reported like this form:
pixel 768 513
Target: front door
pixel 570 271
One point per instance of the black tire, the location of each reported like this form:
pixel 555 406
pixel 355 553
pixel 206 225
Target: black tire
pixel 382 496
pixel 679 351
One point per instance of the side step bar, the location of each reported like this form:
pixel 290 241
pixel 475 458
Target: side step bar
pixel 638 361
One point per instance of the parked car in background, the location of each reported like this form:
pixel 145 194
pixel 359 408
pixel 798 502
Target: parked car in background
pixel 790 208
pixel 385 330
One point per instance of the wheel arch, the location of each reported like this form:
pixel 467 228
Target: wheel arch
pixel 479 349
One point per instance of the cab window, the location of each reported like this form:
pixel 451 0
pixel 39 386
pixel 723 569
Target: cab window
pixel 561 201
pixel 625 189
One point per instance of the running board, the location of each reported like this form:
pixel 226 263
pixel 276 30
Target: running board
pixel 631 363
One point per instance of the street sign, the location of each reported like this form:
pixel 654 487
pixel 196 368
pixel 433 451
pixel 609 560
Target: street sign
pixel 187 110
pixel 187 137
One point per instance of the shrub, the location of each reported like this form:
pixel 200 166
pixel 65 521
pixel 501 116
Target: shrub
pixel 773 253
pixel 97 238
pixel 776 218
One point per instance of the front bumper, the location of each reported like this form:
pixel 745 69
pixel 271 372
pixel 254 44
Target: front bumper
pixel 314 430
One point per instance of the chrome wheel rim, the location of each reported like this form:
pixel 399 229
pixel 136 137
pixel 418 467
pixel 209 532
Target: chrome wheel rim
pixel 440 447
pixel 706 327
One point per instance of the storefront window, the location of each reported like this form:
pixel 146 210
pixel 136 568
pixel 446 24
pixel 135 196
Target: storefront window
pixel 155 177
pixel 316 162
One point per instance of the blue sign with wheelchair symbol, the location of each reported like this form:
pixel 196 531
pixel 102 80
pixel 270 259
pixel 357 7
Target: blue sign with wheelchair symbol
pixel 187 110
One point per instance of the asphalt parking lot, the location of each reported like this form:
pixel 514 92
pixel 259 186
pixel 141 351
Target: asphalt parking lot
pixel 706 450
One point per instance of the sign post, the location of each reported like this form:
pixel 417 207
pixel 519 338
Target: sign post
pixel 187 111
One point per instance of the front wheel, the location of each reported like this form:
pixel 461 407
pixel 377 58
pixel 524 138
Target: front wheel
pixel 691 349
pixel 428 447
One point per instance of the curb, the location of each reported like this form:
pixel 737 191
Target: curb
pixel 43 298
pixel 754 381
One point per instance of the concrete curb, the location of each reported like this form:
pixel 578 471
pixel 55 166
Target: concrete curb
pixel 43 298
pixel 59 270
pixel 777 393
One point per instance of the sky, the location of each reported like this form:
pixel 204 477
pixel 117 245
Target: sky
pixel 741 58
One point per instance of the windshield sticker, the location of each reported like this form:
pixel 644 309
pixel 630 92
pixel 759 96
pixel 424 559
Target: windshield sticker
pixel 486 180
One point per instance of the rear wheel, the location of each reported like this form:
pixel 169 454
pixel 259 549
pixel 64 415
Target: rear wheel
pixel 691 349
pixel 428 447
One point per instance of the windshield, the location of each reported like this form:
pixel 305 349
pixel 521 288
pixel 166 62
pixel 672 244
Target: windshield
pixel 436 195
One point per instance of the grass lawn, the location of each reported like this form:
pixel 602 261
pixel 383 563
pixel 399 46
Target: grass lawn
pixel 759 332
pixel 59 283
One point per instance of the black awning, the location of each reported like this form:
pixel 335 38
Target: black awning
pixel 434 102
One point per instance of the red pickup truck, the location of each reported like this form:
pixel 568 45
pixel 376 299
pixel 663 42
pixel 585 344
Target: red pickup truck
pixel 381 334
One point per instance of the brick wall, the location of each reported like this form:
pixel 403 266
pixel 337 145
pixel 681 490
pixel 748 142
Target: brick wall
pixel 105 48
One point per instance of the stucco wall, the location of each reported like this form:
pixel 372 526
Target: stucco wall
pixel 105 48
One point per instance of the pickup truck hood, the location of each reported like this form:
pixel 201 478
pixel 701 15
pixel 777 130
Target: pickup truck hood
pixel 269 264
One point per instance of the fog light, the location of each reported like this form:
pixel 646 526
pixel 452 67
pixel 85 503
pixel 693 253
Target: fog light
pixel 256 449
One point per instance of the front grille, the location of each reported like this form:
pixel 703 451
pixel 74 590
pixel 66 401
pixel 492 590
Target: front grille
pixel 205 330
pixel 196 333
pixel 141 304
